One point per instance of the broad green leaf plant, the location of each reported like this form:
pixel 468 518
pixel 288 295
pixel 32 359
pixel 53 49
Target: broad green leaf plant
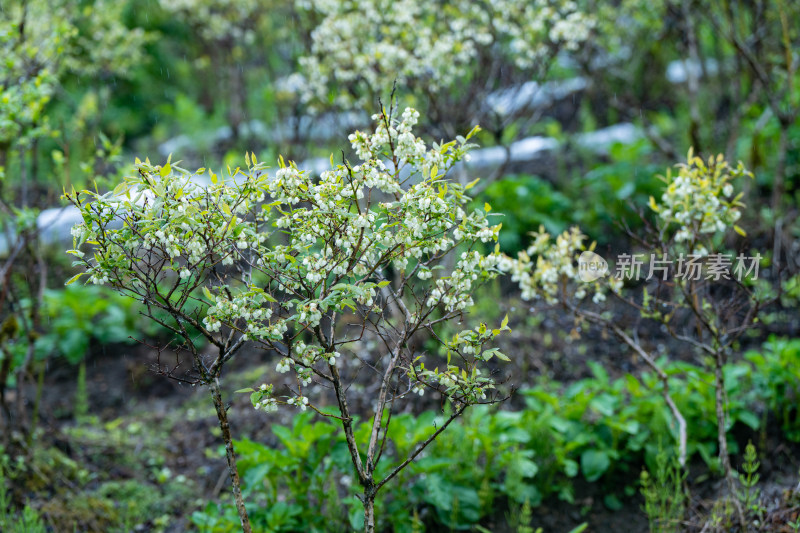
pixel 312 270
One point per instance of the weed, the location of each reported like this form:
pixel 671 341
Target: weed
pixel 664 495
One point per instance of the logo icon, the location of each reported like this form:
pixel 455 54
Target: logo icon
pixel 591 266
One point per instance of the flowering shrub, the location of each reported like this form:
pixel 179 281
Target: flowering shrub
pixel 428 45
pixel 696 207
pixel 42 43
pixel 696 210
pixel 44 47
pixel 23 97
pixel 310 269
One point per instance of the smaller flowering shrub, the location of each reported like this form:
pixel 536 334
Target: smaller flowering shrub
pixel 696 210
pixel 310 269
pixel 697 207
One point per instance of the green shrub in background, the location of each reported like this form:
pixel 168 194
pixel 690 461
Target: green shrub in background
pixel 75 317
pixel 78 316
pixel 778 379
pixel 604 195
pixel 527 202
pixel 601 429
pixel 596 199
pixel 71 321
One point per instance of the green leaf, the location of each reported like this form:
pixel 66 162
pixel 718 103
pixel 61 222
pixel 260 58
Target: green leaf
pixel 487 207
pixel 119 189
pixel 383 283
pixel 603 404
pixel 487 355
pixel 443 495
pixel 749 419
pixel 526 467
pixel 248 389
pixel 594 464
pixel 285 436
pixel 74 278
pixel 165 170
pixel 501 356
pixel 570 468
pixel 208 294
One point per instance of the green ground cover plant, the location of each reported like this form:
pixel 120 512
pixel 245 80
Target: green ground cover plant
pixel 603 430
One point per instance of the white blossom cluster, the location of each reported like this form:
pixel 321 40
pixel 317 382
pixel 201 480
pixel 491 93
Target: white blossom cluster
pixel 362 44
pixel 546 269
pixel 299 401
pixel 262 399
pixel 455 292
pixel 305 357
pixel 248 306
pixel 699 200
